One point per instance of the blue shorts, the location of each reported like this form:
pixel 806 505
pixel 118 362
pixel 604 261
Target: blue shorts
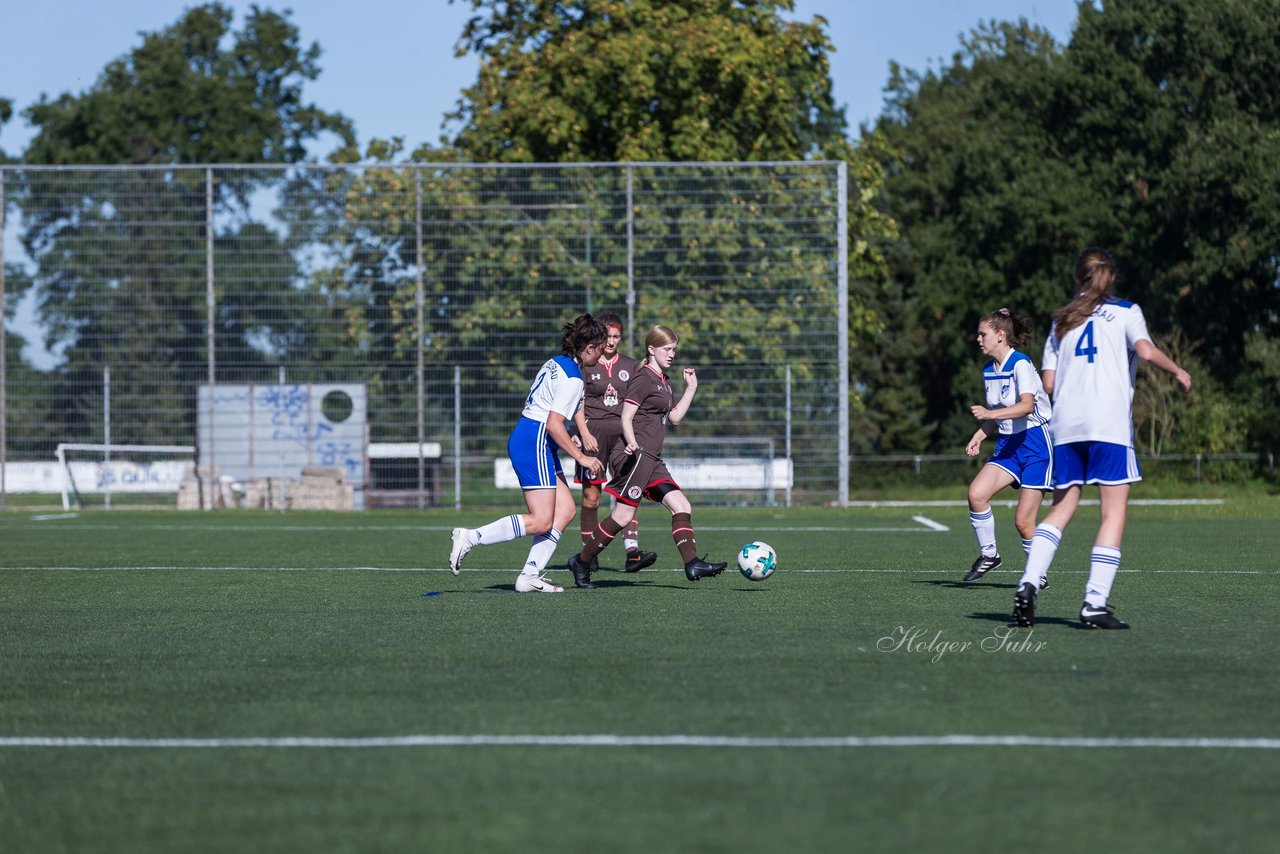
pixel 1078 463
pixel 1027 457
pixel 533 455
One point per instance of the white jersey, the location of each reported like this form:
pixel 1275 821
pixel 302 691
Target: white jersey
pixel 1006 383
pixel 1095 366
pixel 557 388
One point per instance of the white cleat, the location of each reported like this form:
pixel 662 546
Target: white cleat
pixel 535 584
pixel 461 545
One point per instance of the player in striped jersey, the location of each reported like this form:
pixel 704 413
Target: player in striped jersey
pixel 1089 368
pixel 1017 414
pixel 553 400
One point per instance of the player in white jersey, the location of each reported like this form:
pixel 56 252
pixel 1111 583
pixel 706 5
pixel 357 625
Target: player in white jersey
pixel 1017 414
pixel 554 398
pixel 1089 367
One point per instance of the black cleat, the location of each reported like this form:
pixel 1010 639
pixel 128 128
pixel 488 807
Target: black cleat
pixel 1044 583
pixel 699 568
pixel 581 572
pixel 1024 605
pixel 982 566
pixel 1100 618
pixel 638 560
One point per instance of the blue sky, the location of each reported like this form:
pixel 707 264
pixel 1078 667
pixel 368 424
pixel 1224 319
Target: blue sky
pixel 389 64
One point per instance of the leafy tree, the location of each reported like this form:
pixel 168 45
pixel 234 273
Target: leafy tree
pixel 1151 133
pixel 120 254
pixel 645 80
pixel 690 80
pixel 181 97
pixel 6 113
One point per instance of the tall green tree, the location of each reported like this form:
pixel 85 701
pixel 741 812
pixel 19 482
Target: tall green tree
pixel 1152 132
pixel 183 96
pixel 646 80
pixel 120 255
pixel 689 80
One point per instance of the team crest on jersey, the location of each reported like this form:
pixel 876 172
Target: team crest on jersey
pixel 1004 390
pixel 610 396
pixel 633 492
pixel 624 375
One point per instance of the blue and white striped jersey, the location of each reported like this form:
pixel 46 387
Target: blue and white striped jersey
pixel 1006 383
pixel 557 388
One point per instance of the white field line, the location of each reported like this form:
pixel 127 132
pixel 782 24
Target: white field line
pixel 929 523
pixel 1085 502
pixel 508 570
pixel 604 740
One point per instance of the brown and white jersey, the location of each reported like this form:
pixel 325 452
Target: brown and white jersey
pixel 605 387
pixel 651 392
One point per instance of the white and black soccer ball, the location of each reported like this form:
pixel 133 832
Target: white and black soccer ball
pixel 757 561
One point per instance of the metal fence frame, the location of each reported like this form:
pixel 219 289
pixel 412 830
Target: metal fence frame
pixel 840 263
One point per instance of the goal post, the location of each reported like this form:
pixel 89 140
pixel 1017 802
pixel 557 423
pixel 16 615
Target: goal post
pixel 120 469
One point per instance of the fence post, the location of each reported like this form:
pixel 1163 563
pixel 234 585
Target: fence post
pixel 106 436
pixel 790 465
pixel 842 323
pixel 4 379
pixel 210 303
pixel 1198 458
pixel 420 299
pixel 631 259
pixel 457 437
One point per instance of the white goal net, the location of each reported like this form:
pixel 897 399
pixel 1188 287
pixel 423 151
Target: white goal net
pixel 90 475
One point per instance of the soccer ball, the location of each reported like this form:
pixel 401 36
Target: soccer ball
pixel 757 561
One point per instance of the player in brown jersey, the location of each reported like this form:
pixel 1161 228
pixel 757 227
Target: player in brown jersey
pixel 637 466
pixel 599 424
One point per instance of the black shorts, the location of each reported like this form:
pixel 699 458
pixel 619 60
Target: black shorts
pixel 639 475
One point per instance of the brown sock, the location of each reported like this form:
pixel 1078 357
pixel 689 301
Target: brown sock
pixel 590 520
pixel 633 529
pixel 682 533
pixel 600 540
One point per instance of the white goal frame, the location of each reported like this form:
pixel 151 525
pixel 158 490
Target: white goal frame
pixel 68 479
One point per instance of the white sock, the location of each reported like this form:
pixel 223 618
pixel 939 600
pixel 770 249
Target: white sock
pixel 499 531
pixel 984 528
pixel 1104 563
pixel 630 545
pixel 1044 545
pixel 1026 547
pixel 544 546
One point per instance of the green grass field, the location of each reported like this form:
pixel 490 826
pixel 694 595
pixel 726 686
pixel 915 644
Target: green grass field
pixel 239 632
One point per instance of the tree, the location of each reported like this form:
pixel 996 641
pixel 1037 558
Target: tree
pixel 121 264
pixel 1151 133
pixel 6 113
pixel 689 80
pixel 657 80
pixel 180 97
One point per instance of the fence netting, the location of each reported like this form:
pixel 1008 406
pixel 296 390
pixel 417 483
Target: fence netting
pixel 386 321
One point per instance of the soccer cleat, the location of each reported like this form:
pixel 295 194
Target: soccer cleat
pixel 1044 583
pixel 535 584
pixel 982 566
pixel 699 568
pixel 638 560
pixel 1100 617
pixel 581 572
pixel 1024 605
pixel 461 545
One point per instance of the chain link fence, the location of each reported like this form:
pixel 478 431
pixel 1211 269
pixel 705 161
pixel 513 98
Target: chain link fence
pixel 382 323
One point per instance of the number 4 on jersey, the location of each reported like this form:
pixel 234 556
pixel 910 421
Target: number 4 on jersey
pixel 1085 346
